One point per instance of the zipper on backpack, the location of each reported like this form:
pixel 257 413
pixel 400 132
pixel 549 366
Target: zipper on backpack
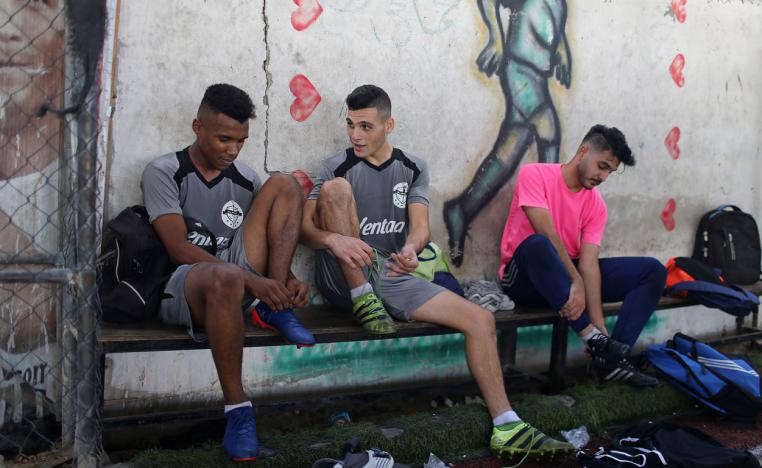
pixel 732 247
pixel 705 250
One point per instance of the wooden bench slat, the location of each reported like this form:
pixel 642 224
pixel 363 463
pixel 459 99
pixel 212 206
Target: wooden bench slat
pixel 328 325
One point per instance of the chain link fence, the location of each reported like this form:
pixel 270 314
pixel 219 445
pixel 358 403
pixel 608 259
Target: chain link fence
pixel 49 228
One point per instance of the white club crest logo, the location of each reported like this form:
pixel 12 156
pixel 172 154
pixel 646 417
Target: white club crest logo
pixel 232 215
pixel 399 195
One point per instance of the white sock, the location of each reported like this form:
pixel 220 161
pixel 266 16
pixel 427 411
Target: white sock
pixel 586 337
pixel 505 417
pixel 366 288
pixel 239 405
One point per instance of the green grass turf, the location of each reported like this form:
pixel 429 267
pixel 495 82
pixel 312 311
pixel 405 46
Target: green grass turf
pixel 450 433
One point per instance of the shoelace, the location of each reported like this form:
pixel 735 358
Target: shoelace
pixel 535 432
pixel 374 272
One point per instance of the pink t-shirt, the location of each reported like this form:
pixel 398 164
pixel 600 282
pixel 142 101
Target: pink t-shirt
pixel 577 217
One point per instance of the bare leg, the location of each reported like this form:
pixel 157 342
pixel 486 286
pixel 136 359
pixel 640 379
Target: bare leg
pixel 336 212
pixel 271 229
pixel 478 327
pixel 214 292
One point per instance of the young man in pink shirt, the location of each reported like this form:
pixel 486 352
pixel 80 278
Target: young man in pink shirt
pixel 549 254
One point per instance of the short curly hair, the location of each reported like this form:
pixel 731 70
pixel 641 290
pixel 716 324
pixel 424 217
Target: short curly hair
pixel 603 138
pixel 229 100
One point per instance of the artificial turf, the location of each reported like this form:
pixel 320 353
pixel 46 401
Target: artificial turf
pixel 450 433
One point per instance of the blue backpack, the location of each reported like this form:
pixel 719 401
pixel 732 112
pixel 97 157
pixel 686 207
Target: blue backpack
pixel 696 280
pixel 730 386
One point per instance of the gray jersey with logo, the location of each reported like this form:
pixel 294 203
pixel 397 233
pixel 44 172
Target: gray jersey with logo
pixel 171 184
pixel 382 194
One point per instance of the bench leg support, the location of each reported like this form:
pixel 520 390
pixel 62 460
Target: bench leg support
pixel 508 348
pixel 558 356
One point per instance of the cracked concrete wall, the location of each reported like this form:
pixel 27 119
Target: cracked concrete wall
pixel 423 52
pixel 168 53
pixel 447 111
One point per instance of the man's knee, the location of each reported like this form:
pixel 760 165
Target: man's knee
pixel 285 184
pixel 483 320
pixel 654 270
pixel 336 191
pixel 225 281
pixel 537 243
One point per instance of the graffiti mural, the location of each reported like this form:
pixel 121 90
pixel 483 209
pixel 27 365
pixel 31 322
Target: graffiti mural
pixel 308 12
pixel 668 215
pixel 306 98
pixel 524 55
pixel 31 74
pixel 394 22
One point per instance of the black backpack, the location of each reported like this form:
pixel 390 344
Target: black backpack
pixel 728 239
pixel 133 267
pixel 649 444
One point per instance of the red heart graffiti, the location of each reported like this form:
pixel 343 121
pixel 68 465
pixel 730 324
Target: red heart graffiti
pixel 307 98
pixel 678 7
pixel 673 137
pixel 304 181
pixel 307 13
pixel 667 214
pixel 676 70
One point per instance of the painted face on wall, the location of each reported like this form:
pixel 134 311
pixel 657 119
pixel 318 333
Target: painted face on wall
pixel 219 138
pixel 367 131
pixel 595 167
pixel 31 52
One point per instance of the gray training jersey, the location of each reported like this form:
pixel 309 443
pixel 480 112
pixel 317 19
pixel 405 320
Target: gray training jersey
pixel 171 184
pixel 382 194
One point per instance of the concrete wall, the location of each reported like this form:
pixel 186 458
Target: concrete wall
pixel 625 71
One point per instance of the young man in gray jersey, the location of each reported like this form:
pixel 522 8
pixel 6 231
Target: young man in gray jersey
pixel 254 231
pixel 367 218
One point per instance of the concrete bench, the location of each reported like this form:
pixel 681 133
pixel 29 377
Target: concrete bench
pixel 329 325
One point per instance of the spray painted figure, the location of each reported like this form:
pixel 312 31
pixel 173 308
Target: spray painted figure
pixel 533 49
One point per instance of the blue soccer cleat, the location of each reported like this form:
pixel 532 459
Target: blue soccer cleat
pixel 240 442
pixel 283 322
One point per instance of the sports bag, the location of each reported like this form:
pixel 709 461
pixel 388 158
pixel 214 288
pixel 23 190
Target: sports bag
pixel 662 444
pixel 730 386
pixel 433 267
pixel 134 268
pixel 698 281
pixel 728 239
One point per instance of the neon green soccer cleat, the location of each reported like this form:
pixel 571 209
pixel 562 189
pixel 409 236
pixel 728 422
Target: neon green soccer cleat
pixel 369 311
pixel 522 440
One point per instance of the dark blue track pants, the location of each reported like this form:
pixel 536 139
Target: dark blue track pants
pixel 536 277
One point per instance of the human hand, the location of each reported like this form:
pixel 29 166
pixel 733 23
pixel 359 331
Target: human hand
pixel 405 262
pixel 491 57
pixel 274 294
pixel 299 290
pixel 562 67
pixel 575 305
pixel 351 251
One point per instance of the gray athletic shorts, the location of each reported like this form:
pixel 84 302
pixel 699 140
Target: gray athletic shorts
pixel 174 309
pixel 401 295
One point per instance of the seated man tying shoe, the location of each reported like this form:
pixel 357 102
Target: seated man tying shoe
pixel 256 229
pixel 549 254
pixel 368 218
